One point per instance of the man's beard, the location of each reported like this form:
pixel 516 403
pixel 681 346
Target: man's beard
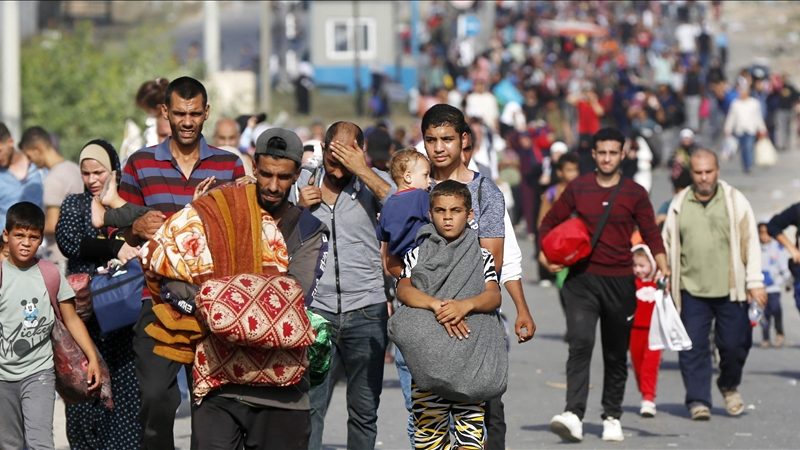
pixel 340 182
pixel 271 207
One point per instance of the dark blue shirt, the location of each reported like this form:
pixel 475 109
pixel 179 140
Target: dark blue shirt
pixel 403 214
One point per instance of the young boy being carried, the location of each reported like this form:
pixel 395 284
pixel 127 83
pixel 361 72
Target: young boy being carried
pixel 448 289
pixel 406 211
pixel 27 377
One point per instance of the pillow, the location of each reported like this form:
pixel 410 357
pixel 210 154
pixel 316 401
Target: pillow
pixel 254 310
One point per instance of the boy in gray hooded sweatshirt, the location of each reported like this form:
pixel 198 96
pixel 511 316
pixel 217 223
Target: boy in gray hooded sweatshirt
pixel 447 326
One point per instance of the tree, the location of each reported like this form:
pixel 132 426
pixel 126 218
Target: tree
pixel 81 87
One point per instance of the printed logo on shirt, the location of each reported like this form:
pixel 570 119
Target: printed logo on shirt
pixel 32 332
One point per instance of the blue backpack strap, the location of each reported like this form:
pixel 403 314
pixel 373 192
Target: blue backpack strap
pixel 52 280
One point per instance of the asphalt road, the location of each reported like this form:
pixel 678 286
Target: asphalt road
pixel 536 389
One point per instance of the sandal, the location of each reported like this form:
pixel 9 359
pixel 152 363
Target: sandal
pixel 733 402
pixel 700 412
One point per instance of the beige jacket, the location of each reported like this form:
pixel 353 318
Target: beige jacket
pixel 745 266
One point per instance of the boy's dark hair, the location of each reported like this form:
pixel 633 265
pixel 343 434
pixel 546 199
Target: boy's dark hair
pixel 4 133
pixel 444 114
pixel 343 126
pixel 187 88
pixel 608 134
pixel 33 135
pixel 452 188
pixel 25 215
pixel 567 158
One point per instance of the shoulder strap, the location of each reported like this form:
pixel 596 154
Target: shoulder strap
pixel 52 279
pixel 602 224
pixel 480 196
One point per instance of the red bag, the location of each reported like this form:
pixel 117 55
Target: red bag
pixel 567 243
pixel 79 282
pixel 68 358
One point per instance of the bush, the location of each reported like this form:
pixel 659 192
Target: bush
pixel 80 87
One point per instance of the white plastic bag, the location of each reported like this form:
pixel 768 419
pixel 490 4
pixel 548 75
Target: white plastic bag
pixel 666 328
pixel 765 153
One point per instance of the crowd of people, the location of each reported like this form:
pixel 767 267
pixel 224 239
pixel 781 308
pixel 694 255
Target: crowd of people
pixel 405 236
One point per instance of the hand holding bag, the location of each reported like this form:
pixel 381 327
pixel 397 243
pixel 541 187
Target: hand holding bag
pixel 69 360
pixel 117 296
pixel 570 242
pixel 666 327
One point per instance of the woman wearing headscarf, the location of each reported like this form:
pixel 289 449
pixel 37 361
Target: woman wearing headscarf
pixel 90 425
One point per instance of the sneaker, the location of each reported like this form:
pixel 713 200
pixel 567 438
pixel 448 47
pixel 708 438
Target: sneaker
pixel 779 339
pixel 545 283
pixel 567 426
pixel 733 402
pixel 764 344
pixel 699 412
pixel 612 430
pixel 648 409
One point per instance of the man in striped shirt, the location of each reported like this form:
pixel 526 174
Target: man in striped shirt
pixel 164 177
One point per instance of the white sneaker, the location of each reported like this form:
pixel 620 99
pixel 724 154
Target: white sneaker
pixel 568 426
pixel 648 409
pixel 612 430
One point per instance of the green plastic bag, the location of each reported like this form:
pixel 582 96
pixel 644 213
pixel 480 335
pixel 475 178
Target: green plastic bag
pixel 561 276
pixel 319 354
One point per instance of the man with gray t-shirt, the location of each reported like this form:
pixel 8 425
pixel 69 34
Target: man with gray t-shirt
pixel 63 178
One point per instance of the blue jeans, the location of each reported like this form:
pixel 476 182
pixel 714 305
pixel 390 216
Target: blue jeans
pixel 733 337
pixel 747 144
pixel 359 339
pixel 772 313
pixel 795 270
pixel 405 386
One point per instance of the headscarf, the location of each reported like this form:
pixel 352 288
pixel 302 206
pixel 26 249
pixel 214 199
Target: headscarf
pixel 102 152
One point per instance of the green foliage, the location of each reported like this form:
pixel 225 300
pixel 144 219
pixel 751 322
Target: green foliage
pixel 82 87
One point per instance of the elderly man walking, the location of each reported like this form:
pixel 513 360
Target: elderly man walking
pixel 714 255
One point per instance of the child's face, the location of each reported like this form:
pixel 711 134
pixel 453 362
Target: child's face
pixel 418 177
pixel 22 245
pixel 763 235
pixel 450 216
pixel 641 266
pixel 568 172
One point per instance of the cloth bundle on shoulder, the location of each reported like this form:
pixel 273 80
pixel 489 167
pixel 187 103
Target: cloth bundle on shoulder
pixel 247 250
pixel 469 370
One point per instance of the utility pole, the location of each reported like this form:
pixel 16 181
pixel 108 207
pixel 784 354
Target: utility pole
pixel 211 33
pixel 357 62
pixel 11 106
pixel 265 50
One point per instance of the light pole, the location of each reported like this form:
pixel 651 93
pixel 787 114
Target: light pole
pixel 357 63
pixel 211 33
pixel 265 36
pixel 11 106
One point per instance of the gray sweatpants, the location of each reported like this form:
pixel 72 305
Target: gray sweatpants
pixel 27 411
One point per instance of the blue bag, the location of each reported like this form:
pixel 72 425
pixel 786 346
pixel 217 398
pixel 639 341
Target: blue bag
pixel 117 296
